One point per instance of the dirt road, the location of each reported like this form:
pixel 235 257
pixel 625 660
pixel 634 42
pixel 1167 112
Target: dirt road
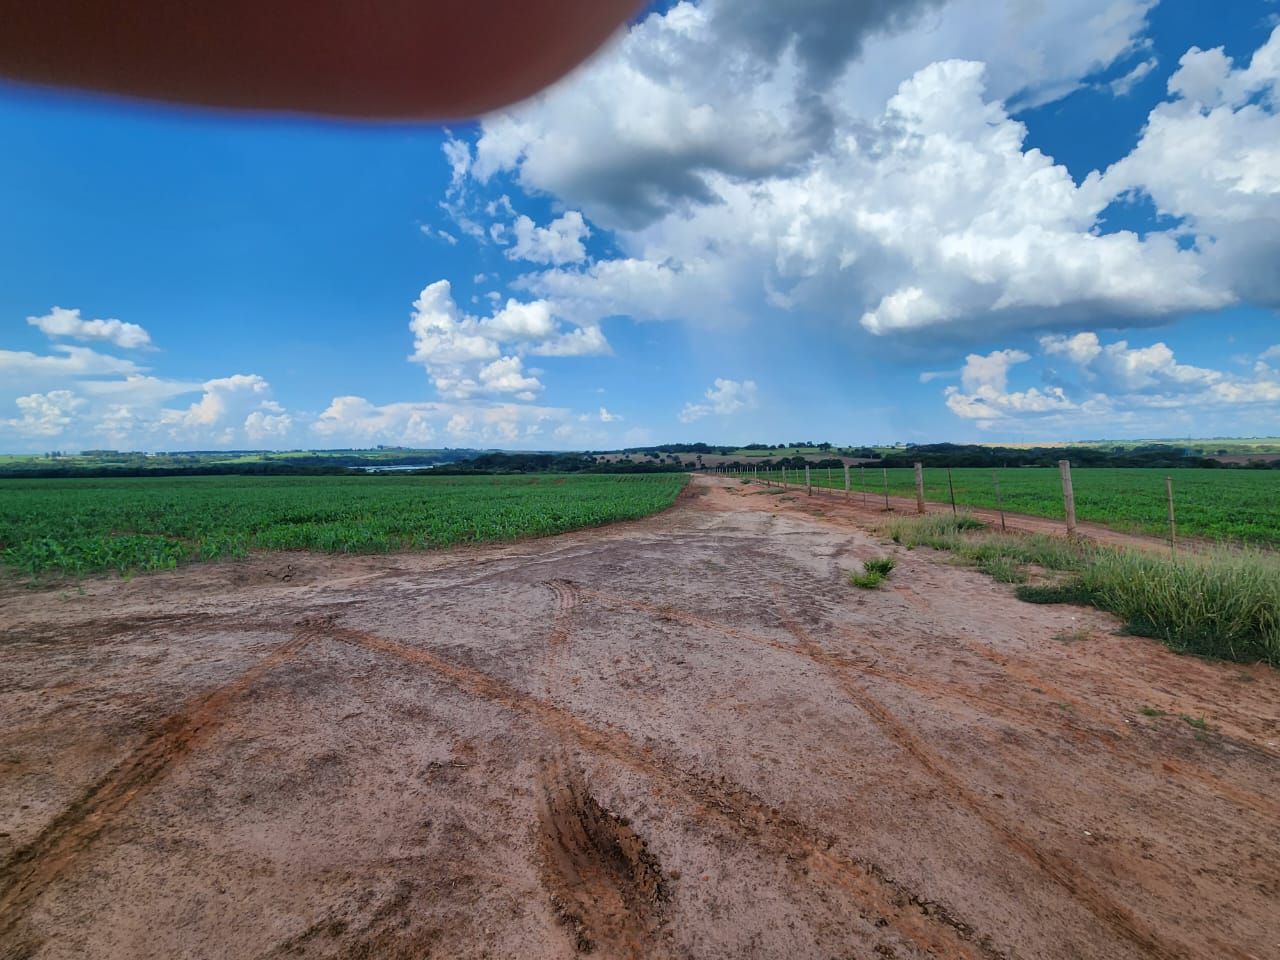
pixel 684 737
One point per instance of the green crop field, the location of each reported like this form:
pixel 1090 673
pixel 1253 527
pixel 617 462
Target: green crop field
pixel 1239 505
pixel 787 452
pixel 84 525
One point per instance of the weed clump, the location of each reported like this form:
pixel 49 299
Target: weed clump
pixel 873 573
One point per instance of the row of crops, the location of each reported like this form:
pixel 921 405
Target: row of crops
pixel 1240 505
pixel 82 526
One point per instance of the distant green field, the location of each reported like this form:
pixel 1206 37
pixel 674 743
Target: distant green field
pixel 87 525
pixel 788 452
pixel 1215 504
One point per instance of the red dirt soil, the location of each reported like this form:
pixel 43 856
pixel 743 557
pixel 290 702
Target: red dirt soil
pixel 685 736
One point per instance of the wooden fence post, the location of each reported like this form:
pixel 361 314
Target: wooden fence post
pixel 1173 531
pixel 886 488
pixel 952 487
pixel 995 478
pixel 846 481
pixel 1068 497
pixel 919 487
pixel 862 475
pixel 808 481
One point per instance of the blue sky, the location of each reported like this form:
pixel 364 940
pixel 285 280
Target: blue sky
pixel 956 220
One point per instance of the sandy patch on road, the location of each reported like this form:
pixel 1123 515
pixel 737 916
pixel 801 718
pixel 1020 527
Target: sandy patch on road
pixel 679 737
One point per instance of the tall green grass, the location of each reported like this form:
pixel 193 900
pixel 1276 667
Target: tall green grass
pixel 1221 603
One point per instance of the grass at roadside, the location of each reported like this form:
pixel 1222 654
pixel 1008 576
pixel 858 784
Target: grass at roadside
pixel 1221 603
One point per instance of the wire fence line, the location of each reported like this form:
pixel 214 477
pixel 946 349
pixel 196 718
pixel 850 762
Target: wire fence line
pixel 1241 506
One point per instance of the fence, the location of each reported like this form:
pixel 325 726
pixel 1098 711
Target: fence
pixel 1133 499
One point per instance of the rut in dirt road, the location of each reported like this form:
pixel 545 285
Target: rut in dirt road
pixel 605 885
pixel 880 899
pixel 32 868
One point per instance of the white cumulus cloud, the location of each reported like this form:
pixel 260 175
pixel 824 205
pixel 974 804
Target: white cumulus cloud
pixel 45 414
pixel 1210 157
pixel 229 410
pixel 60 322
pixel 355 420
pixel 723 398
pixel 751 89
pixel 1113 386
pixel 560 241
pixel 466 355
pixel 861 164
pixel 991 370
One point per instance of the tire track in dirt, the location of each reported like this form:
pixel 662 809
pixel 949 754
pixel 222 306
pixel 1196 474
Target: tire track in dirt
pixel 567 598
pixel 881 899
pixel 605 886
pixel 920 684
pixel 1031 678
pixel 840 661
pixel 1054 866
pixel 1114 742
pixel 1015 667
pixel 102 629
pixel 1258 804
pixel 30 870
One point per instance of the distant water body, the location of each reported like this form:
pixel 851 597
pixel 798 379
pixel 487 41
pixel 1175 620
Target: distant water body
pixel 397 467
